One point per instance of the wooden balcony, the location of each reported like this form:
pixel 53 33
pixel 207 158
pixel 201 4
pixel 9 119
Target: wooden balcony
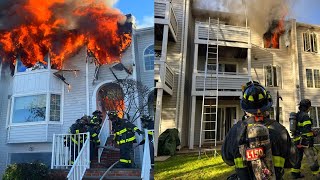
pixel 164 15
pixel 229 84
pixel 234 36
pixel 163 75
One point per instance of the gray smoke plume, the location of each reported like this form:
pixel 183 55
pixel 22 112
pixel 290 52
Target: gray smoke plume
pixel 260 13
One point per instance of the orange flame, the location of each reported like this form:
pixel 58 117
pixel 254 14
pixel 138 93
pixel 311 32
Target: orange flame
pixel 43 29
pixel 115 105
pixel 273 41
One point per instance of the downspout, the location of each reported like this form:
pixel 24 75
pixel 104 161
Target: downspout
pixel 87 85
pixel 184 44
pixel 295 63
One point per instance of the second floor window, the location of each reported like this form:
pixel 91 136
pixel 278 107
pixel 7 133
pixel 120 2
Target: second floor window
pixel 313 78
pixel 272 76
pixel 310 42
pixel 148 57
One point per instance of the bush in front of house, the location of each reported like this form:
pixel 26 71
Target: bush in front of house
pixel 26 171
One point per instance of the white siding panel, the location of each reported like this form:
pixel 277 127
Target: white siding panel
pixel 28 133
pixel 34 82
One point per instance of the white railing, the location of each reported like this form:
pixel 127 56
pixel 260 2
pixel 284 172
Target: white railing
pixel 164 74
pixel 224 32
pixel 226 81
pixel 146 162
pixel 82 163
pixel 164 14
pixel 169 76
pixel 103 136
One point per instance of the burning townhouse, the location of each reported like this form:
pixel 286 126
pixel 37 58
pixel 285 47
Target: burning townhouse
pixel 51 75
pixel 211 54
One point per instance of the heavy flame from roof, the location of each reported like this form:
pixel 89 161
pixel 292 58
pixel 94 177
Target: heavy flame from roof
pixel 33 28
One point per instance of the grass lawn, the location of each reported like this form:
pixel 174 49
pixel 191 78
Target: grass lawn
pixel 188 166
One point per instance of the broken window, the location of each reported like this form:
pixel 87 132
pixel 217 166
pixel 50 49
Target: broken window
pixel 313 78
pixel 272 76
pixel 148 56
pixel 310 42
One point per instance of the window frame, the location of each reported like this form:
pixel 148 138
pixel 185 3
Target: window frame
pixel 310 42
pixel 148 55
pixel 36 71
pixel 317 116
pixel 313 78
pixel 48 103
pixel 278 74
pixel 274 113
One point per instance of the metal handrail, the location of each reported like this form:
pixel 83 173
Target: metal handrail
pixel 103 136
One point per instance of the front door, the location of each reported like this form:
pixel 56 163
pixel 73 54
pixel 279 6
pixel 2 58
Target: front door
pixel 231 117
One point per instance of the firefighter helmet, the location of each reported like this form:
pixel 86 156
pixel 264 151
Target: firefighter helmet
pixel 112 115
pixel 97 112
pixel 305 103
pixel 255 98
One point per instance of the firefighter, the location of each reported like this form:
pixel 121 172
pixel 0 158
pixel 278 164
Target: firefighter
pixel 94 139
pixel 278 152
pixel 304 139
pixel 148 123
pixel 75 145
pixel 124 135
pixel 96 117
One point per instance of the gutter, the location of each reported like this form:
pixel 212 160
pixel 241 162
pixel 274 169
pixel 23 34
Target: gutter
pixel 183 64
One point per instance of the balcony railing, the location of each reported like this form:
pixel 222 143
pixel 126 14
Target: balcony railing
pixel 228 35
pixel 226 81
pixel 164 14
pixel 164 75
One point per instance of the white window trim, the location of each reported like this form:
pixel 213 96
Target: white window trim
pixel 313 80
pixel 275 111
pixel 280 82
pixel 144 63
pixel 303 43
pixel 316 110
pixel 47 119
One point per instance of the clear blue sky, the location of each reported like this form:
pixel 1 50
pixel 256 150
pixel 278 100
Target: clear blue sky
pixel 143 10
pixel 307 11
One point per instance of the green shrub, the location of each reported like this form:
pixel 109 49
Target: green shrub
pixel 26 171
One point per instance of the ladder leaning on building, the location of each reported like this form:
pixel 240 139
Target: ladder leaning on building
pixel 209 114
